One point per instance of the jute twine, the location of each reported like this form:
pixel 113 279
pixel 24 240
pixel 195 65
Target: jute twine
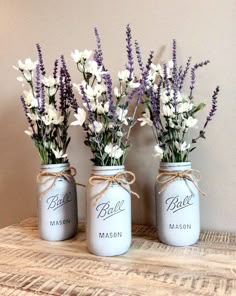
pixel 191 175
pixel 67 174
pixel 120 179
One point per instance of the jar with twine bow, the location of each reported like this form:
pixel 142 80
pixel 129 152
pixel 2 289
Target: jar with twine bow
pixel 177 204
pixel 57 202
pixel 109 210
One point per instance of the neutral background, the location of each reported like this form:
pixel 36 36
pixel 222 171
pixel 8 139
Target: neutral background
pixel 203 29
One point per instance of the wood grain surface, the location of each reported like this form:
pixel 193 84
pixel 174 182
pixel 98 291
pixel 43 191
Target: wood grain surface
pixel 31 266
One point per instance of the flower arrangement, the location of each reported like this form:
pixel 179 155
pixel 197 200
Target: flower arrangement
pixel 46 104
pixel 172 113
pixel 105 112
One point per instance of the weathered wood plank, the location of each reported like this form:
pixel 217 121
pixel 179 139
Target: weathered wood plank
pixel 31 266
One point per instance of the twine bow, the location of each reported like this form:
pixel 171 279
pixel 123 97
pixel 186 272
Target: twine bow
pixel 67 174
pixel 119 178
pixel 191 175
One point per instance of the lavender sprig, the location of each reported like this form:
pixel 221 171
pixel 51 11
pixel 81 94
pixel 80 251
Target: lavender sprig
pixel 108 83
pixel 193 76
pixel 182 77
pixel 175 74
pixel 139 57
pixel 130 65
pixel 213 106
pixel 149 61
pixel 68 88
pixel 55 69
pixel 98 55
pixel 38 84
pixel 40 57
pixel 166 80
pixel 86 100
pixel 26 114
pixel 43 100
pixel 155 102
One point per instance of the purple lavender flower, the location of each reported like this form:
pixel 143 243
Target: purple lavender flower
pixel 86 100
pixel 66 88
pixel 26 113
pixel 98 55
pixel 149 61
pixel 38 84
pixel 193 76
pixel 182 77
pixel 139 57
pixel 55 69
pixel 43 101
pixel 40 57
pixel 130 65
pixel 108 83
pixel 175 74
pixel 213 106
pixel 166 80
pixel 155 102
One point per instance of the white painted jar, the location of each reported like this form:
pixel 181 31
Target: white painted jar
pixel 57 204
pixel 177 207
pixel 108 218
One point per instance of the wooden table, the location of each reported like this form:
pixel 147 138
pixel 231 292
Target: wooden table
pixel 31 266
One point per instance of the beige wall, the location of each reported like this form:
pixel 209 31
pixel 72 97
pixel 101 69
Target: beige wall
pixel 203 29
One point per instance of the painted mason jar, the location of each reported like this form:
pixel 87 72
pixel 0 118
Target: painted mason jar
pixel 57 203
pixel 177 205
pixel 108 212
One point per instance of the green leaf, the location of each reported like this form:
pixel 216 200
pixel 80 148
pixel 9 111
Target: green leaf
pixel 200 107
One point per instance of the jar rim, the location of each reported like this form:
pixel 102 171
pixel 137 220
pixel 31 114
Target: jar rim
pixel 55 165
pixel 174 164
pixel 108 167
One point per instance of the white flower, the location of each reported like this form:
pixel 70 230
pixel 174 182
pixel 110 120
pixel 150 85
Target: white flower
pixel 119 134
pixel 30 100
pixel 110 125
pixel 145 119
pixel 170 64
pixel 190 122
pixel 124 75
pixel 96 126
pixel 58 153
pixel 133 84
pixel 164 98
pixel 106 107
pixel 80 116
pixel 158 151
pixel 28 75
pixel 168 111
pixel 93 93
pixel 79 56
pixel 102 108
pixel 151 75
pixel 182 146
pixel 184 107
pixel 50 81
pixel 157 69
pixel 93 68
pixel 29 132
pixel 52 116
pixel 28 65
pixel 116 92
pixel 121 113
pixel 52 91
pixel 113 151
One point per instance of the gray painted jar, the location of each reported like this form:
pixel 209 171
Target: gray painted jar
pixel 57 204
pixel 108 218
pixel 177 207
